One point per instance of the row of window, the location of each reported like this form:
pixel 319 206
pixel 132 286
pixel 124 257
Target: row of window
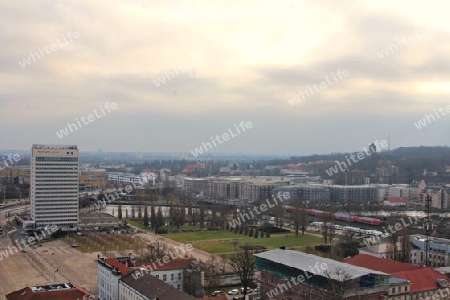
pixel 58 184
pixel 172 277
pixel 62 199
pixel 50 176
pixel 56 158
pixel 56 189
pixel 56 165
pixel 57 172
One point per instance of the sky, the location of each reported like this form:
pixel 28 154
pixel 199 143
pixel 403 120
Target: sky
pixel 311 77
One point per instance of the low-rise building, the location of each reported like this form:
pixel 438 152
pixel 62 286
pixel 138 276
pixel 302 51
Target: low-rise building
pixel 148 287
pixel 66 291
pixel 175 273
pixel 423 282
pixel 288 274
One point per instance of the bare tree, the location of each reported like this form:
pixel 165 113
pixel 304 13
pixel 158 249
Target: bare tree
pixel 328 230
pixel 339 282
pixel 243 264
pixel 145 216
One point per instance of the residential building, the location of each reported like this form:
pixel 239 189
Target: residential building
pixel 175 273
pixel 196 185
pixel 66 291
pixel 295 275
pixel 423 282
pixel 439 254
pixel 142 179
pixel 110 270
pixel 395 201
pixel 16 174
pixel 148 287
pixel 315 194
pixel 341 194
pixel 90 180
pixel 54 185
pixel 171 272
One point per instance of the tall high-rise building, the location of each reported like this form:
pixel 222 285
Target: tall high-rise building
pixel 54 185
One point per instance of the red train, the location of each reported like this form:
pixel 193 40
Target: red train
pixel 338 216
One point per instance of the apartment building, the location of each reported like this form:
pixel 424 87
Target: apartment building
pixel 143 178
pixel 54 185
pixel 311 193
pixel 439 254
pixel 353 193
pixel 196 185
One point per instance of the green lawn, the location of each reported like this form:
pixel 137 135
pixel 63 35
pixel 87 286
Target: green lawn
pixel 220 241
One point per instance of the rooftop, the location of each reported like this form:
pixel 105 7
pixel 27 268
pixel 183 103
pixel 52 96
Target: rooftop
pixel 422 238
pixel 380 264
pixel 49 146
pixel 154 288
pixel 303 261
pixel 421 279
pixel 171 265
pixel 63 291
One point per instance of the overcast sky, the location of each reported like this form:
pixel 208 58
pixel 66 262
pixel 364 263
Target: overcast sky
pixel 257 55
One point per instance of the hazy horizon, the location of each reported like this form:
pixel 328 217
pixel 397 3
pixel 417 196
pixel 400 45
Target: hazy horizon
pixel 313 77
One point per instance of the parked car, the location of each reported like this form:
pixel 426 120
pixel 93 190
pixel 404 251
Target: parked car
pixel 217 293
pixel 249 290
pixel 233 292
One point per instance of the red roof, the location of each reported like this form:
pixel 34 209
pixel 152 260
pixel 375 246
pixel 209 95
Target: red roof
pixel 380 264
pixel 422 279
pixel 123 269
pixel 28 294
pixel 171 265
pixel 396 199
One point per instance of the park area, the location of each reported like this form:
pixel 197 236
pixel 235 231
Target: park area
pixel 225 242
pixel 101 242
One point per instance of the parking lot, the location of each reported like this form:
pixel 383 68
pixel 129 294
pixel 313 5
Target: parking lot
pixel 16 271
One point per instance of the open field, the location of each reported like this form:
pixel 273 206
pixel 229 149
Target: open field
pixel 221 241
pixel 99 242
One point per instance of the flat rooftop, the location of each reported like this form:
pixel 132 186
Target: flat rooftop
pixel 49 146
pixel 307 262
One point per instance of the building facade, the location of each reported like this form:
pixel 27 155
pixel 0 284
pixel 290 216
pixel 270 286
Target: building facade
pixel 311 193
pixel 289 274
pixel 54 185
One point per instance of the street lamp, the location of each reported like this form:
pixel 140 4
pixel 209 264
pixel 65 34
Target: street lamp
pixel 54 273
